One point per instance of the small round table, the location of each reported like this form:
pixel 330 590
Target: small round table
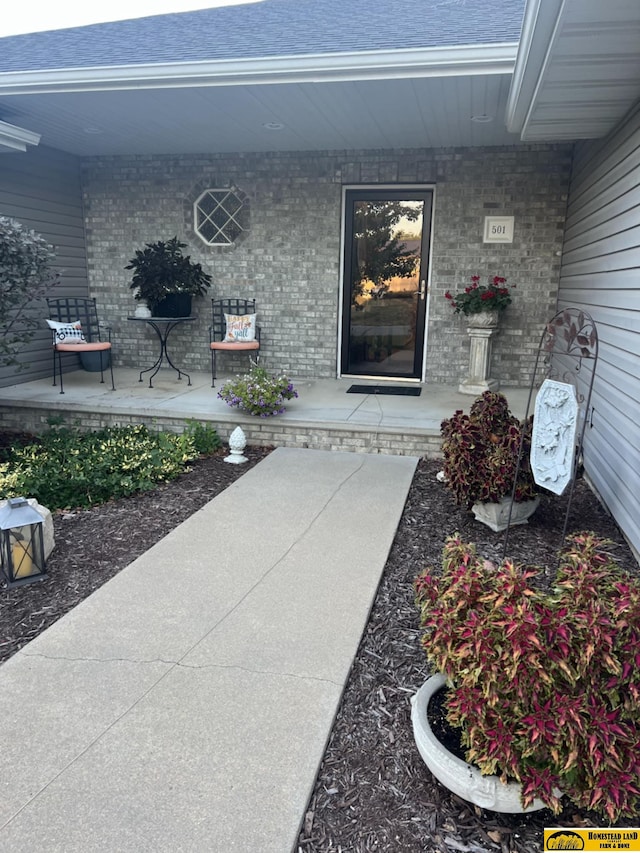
pixel 163 326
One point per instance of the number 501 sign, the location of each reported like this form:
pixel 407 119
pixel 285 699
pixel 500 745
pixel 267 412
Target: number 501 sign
pixel 498 229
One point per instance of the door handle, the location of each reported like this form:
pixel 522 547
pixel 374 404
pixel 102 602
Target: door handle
pixel 422 290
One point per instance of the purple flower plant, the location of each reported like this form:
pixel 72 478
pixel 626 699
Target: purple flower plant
pixel 258 393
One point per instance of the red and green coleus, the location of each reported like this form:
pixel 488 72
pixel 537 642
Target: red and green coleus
pixel 482 452
pixel 544 685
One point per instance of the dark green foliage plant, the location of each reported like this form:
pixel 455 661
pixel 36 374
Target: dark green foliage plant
pixel 25 278
pixel 481 452
pixel 161 269
pixel 544 685
pixel 204 437
pixel 69 468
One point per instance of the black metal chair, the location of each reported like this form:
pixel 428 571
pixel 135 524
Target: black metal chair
pixel 232 336
pixel 75 328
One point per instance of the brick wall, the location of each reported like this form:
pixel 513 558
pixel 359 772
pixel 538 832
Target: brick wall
pixel 260 432
pixel 290 259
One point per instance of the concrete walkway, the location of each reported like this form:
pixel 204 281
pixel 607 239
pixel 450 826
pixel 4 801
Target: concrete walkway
pixel 186 705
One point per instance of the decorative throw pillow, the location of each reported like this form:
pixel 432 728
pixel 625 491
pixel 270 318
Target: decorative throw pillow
pixel 240 327
pixel 67 333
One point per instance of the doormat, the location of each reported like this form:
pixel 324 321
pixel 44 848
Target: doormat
pixel 393 390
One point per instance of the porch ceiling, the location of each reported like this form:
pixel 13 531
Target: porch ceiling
pixel 578 68
pixel 417 103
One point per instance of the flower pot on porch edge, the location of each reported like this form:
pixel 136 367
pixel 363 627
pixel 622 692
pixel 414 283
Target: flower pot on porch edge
pixel 463 779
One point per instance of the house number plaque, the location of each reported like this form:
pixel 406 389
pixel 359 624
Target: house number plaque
pixel 498 229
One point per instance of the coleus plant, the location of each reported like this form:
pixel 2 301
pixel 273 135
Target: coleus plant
pixel 544 685
pixel 481 452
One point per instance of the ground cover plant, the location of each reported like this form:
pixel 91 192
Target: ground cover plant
pixel 372 792
pixel 69 468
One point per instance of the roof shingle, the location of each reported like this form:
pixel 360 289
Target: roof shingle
pixel 269 28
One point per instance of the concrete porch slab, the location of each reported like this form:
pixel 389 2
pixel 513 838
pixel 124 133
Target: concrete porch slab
pixel 324 416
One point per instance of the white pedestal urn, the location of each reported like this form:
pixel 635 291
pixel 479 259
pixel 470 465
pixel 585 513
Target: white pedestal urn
pixel 463 779
pixel 481 328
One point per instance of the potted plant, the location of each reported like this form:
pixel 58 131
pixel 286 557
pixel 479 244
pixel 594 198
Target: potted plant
pixel 166 279
pixel 258 393
pixel 482 299
pixel 542 685
pixel 481 453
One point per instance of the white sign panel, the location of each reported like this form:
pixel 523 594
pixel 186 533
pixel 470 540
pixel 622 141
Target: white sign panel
pixel 553 443
pixel 498 229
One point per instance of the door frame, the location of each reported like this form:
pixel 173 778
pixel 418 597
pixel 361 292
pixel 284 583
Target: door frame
pixel 341 294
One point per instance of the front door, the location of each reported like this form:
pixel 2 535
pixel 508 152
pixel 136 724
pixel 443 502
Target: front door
pixel 386 264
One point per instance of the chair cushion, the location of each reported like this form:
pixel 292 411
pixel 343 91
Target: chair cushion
pixel 240 327
pixel 79 346
pixel 235 345
pixel 67 333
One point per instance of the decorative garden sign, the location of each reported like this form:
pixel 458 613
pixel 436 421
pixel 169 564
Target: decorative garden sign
pixel 553 443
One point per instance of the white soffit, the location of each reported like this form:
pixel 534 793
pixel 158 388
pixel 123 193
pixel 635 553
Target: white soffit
pixel 14 138
pixel 395 99
pixel 577 71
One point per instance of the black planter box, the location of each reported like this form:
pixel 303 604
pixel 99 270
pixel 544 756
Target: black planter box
pixel 174 305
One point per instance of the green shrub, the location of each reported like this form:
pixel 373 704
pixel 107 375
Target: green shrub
pixel 67 468
pixel 25 277
pixel 205 439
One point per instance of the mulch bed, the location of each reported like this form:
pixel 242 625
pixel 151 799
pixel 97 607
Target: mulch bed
pixel 372 793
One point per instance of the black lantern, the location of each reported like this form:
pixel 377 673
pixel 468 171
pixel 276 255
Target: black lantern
pixel 21 543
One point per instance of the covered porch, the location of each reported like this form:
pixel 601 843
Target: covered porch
pixel 323 417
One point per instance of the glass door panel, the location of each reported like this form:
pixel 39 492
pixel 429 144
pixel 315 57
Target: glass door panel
pixel 385 275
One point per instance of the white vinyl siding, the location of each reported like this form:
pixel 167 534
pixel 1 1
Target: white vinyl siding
pixel 41 189
pixel 601 274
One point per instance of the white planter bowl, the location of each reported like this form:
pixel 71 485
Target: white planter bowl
pixel 461 778
pixel 496 515
pixel 483 320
